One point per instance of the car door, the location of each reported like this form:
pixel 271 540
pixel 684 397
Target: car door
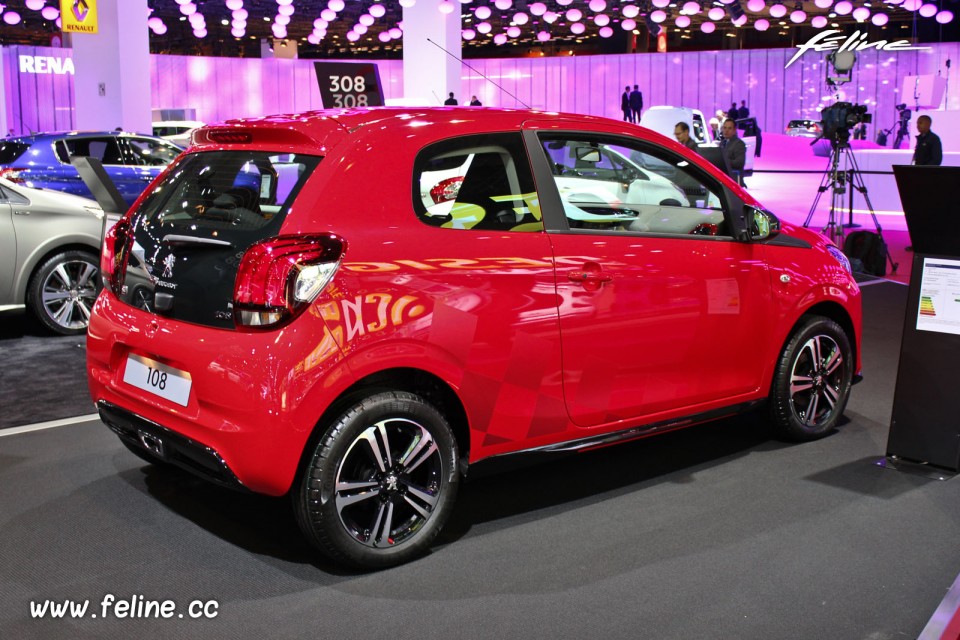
pixel 659 304
pixel 8 250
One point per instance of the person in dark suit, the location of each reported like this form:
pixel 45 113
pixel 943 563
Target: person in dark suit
pixel 475 102
pixel 734 113
pixel 625 105
pixel 451 100
pixel 636 103
pixel 929 150
pixel 734 150
pixel 682 133
pixel 743 111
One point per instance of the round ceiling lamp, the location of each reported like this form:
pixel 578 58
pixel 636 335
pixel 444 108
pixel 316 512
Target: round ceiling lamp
pixel 606 32
pixel 756 6
pixel 577 28
pixel 708 27
pixel 798 16
pixel 630 11
pixel 944 17
pixel 716 13
pixel 844 8
pixel 658 16
pixel 778 11
pixel 762 24
pixel 880 19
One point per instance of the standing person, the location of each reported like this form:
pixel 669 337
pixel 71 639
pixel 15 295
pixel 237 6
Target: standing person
pixel 734 113
pixel 475 102
pixel 929 151
pixel 734 150
pixel 743 111
pixel 682 132
pixel 451 100
pixel 636 103
pixel 625 105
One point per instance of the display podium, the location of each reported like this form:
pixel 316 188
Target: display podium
pixel 925 425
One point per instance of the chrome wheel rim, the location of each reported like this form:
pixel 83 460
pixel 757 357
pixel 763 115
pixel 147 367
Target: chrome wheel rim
pixel 388 483
pixel 68 293
pixel 816 381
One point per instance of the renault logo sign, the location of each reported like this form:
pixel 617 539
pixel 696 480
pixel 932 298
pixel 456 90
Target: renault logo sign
pixel 79 16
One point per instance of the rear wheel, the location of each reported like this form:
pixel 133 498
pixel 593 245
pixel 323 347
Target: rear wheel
pixel 380 483
pixel 812 380
pixel 62 291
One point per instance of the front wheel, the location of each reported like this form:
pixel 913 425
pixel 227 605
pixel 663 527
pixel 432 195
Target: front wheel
pixel 380 483
pixel 62 291
pixel 811 383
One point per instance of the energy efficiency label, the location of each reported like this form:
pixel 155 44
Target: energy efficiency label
pixel 939 296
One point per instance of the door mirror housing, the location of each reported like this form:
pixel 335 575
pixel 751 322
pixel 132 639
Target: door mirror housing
pixel 763 224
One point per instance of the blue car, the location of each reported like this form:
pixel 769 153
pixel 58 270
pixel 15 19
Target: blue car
pixel 43 160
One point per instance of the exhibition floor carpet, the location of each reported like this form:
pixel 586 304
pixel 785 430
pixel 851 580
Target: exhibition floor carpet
pixel 713 532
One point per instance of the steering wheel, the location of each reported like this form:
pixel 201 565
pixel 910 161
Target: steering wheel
pixel 564 170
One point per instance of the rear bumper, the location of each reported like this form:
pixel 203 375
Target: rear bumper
pixel 254 402
pixel 168 446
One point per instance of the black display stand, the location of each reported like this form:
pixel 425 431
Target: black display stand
pixel 925 425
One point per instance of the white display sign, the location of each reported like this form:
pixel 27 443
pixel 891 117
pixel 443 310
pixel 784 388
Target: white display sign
pixel 939 308
pixel 46 65
pixel 158 379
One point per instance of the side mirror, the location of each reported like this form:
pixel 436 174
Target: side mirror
pixel 763 224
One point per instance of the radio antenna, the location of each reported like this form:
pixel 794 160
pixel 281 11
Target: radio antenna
pixel 464 62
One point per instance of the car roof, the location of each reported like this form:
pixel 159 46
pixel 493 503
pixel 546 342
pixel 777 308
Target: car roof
pixel 57 135
pixel 324 129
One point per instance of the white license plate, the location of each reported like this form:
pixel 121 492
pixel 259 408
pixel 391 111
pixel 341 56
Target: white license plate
pixel 158 379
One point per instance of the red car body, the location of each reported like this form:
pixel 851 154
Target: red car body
pixel 550 340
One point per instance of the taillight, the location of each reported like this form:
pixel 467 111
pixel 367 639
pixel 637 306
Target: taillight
pixel 113 255
pixel 279 277
pixel 446 190
pixel 14 174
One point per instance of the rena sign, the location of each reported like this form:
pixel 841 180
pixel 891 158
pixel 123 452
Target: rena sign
pixel 828 41
pixel 46 65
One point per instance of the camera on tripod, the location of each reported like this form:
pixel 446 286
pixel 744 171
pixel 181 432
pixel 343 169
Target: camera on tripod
pixel 838 119
pixel 901 124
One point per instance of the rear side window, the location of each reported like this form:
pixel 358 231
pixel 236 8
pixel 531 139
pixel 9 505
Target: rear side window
pixel 476 182
pixel 233 191
pixel 106 150
pixel 10 150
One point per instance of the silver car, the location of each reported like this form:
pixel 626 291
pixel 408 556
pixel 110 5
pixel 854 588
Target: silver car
pixel 49 255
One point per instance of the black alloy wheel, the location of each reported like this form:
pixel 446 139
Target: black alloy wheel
pixel 378 487
pixel 812 381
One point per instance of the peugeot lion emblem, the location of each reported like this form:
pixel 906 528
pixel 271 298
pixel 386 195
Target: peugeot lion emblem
pixel 168 266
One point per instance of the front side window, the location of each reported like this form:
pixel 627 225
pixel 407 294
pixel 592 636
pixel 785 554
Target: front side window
pixel 624 187
pixel 476 182
pixel 151 153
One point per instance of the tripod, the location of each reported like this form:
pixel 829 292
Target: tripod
pixel 840 182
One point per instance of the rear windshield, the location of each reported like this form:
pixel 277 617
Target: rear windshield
pixel 10 150
pixel 228 190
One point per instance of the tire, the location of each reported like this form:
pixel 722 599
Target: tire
pixel 380 483
pixel 62 291
pixel 811 383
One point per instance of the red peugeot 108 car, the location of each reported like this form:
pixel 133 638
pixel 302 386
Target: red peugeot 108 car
pixel 358 307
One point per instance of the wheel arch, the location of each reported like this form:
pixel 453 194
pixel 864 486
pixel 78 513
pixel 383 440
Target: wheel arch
pixel 422 383
pixel 836 312
pixel 40 256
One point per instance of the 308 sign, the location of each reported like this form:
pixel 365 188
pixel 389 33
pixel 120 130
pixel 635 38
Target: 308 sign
pixel 346 84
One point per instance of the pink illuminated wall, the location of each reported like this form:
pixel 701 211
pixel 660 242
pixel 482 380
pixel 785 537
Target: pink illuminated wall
pixel 224 88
